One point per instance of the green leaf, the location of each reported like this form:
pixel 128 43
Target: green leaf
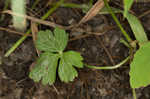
pixel 74 58
pixel 140 66
pixel 66 70
pixel 137 28
pixel 45 41
pixel 61 38
pixel 45 69
pixel 127 6
pixel 52 43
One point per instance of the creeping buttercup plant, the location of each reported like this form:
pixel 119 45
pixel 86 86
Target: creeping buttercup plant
pixel 53 58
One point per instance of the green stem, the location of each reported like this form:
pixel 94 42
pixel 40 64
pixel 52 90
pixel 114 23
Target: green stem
pixel 125 43
pixel 17 43
pixel 108 67
pixel 28 32
pixel 73 5
pixel 134 93
pixel 117 22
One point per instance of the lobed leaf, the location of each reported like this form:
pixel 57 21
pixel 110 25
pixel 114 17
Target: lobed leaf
pixel 66 70
pixel 45 69
pixel 74 58
pixel 140 66
pixel 47 41
pixel 61 38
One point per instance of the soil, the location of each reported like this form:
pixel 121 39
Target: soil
pixel 96 50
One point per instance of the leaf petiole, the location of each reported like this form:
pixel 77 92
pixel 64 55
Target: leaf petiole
pixel 109 67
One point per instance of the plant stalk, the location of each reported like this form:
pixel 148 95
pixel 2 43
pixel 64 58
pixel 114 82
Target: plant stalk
pixel 109 67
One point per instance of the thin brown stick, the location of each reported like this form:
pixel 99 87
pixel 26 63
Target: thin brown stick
pixel 144 14
pixel 34 30
pixel 105 30
pixel 86 35
pixel 48 23
pixel 106 50
pixel 93 11
pixel 56 89
pixel 12 31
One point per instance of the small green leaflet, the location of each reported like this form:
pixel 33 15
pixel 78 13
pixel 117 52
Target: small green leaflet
pixel 47 41
pixel 66 71
pixel 45 68
pixel 140 67
pixel 74 58
pixel 52 46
